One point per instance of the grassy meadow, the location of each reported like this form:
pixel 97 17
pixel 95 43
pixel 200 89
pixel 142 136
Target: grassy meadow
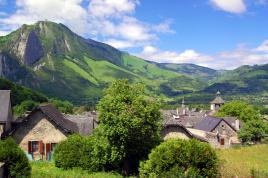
pixel 242 161
pixel 41 169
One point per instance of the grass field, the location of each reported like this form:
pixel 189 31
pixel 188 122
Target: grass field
pixel 48 170
pixel 241 161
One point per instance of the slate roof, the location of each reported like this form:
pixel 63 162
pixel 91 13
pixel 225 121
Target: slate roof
pixel 218 100
pixel 4 105
pixel 190 119
pixel 208 124
pixel 167 125
pixel 86 122
pixel 56 116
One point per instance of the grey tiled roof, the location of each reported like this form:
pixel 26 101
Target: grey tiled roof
pixel 86 122
pixel 218 100
pixel 190 119
pixel 4 105
pixel 55 115
pixel 208 124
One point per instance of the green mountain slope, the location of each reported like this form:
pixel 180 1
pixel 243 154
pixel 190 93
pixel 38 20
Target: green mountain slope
pixel 52 59
pixel 202 73
pixel 245 79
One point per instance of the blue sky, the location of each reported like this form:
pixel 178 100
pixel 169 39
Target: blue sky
pixel 222 34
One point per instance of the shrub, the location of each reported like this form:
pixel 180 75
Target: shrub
pixel 63 106
pixel 15 159
pixel 89 153
pixel 180 158
pixel 27 105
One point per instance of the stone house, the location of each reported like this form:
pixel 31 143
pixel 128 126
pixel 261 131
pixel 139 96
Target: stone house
pixel 6 117
pixel 39 132
pixel 219 132
pixel 174 130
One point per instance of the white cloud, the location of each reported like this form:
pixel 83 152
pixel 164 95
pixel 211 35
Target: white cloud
pixel 232 6
pixel 187 56
pixel 121 44
pixel 69 12
pixel 108 8
pixel 100 19
pixel 242 55
pixel 263 47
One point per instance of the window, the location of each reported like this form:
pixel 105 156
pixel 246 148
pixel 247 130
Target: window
pixel 35 146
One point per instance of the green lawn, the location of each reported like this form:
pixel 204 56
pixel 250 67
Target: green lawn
pixel 241 161
pixel 43 169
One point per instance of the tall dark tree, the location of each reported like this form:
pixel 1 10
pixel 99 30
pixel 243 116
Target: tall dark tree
pixel 131 123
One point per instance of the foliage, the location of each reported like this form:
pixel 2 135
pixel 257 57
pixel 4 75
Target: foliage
pixel 20 93
pixel 63 106
pixel 42 169
pixel 253 131
pixel 15 159
pixel 240 162
pixel 130 123
pixel 180 158
pixel 27 105
pixel 88 153
pixel 241 110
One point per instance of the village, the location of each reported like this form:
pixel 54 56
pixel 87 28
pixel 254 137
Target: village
pixel 39 132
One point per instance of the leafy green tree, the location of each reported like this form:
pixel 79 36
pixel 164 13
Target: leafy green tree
pixel 63 106
pixel 253 131
pixel 15 160
pixel 130 123
pixel 241 110
pixel 180 158
pixel 27 105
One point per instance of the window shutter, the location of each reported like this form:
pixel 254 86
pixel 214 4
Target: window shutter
pixel 41 147
pixel 29 147
pixel 48 147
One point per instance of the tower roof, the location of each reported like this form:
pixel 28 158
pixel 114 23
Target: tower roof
pixel 218 99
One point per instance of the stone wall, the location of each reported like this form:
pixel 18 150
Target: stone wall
pixel 175 132
pixel 37 128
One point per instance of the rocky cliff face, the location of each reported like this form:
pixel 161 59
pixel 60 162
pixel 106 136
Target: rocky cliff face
pixel 33 50
pixel 8 66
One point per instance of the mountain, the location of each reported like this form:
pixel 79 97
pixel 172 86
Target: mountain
pixel 50 58
pixel 243 80
pixel 204 74
pixel 20 93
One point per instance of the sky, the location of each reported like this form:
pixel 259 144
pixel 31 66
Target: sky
pixel 220 34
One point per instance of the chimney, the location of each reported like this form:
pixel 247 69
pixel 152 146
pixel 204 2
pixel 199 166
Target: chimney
pixel 237 124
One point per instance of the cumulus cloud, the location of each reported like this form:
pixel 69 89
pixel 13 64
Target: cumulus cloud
pixel 222 60
pixel 232 6
pixel 99 19
pixel 263 47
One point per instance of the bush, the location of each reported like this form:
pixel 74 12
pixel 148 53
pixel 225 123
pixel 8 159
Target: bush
pixel 88 153
pixel 27 105
pixel 180 158
pixel 15 159
pixel 62 106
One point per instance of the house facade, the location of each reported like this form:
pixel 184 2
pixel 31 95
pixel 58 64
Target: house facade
pixel 39 132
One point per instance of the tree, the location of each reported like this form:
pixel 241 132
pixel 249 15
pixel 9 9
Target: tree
pixel 130 123
pixel 253 131
pixel 63 106
pixel 180 158
pixel 241 110
pixel 27 105
pixel 15 160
